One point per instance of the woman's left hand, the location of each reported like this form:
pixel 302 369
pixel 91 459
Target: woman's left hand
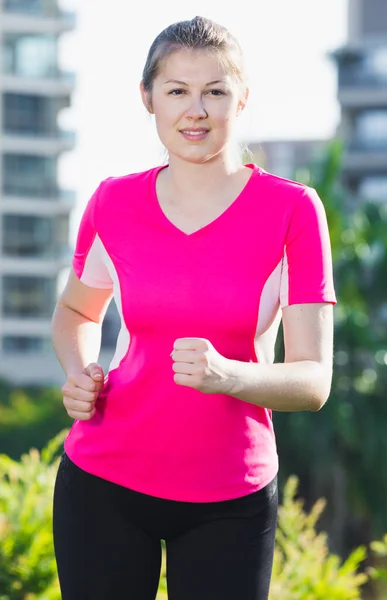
pixel 198 365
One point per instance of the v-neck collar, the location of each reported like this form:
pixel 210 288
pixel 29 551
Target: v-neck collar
pixel 256 170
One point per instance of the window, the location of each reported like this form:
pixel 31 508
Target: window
pixel 30 55
pixel 25 344
pixel 367 68
pixel 24 6
pixel 371 129
pixel 374 188
pixel 27 235
pixel 28 296
pixel 26 114
pixel 27 175
pixel 375 61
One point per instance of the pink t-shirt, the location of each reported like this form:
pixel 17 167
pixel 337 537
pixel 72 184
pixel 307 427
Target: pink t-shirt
pixel 227 283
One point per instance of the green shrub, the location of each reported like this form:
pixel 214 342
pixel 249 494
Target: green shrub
pixel 378 570
pixel 29 417
pixel 27 564
pixel 303 568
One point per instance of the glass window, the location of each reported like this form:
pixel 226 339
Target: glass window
pixel 30 55
pixel 28 296
pixel 25 344
pixel 26 114
pixel 33 7
pixel 25 235
pixel 28 175
pixel 375 61
pixel 23 6
pixel 371 128
pixel 374 188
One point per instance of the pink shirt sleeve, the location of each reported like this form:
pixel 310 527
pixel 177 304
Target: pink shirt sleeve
pixel 90 258
pixel 307 274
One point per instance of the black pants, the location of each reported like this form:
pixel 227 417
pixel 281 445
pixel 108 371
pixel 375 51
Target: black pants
pixel 107 542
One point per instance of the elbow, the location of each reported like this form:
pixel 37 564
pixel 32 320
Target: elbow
pixel 321 387
pixel 317 402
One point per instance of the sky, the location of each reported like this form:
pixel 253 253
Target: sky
pixel 286 45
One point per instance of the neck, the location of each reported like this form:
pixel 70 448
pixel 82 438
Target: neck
pixel 194 181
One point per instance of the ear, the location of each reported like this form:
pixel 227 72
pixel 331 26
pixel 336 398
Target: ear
pixel 243 101
pixel 146 98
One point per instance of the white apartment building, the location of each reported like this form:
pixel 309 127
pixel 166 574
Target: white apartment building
pixel 34 211
pixel 362 93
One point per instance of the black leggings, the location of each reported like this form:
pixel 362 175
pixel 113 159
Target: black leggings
pixel 108 542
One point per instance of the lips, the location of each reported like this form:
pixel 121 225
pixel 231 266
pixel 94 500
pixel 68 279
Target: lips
pixel 194 135
pixel 194 131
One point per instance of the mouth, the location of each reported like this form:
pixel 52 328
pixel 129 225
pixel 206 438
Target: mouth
pixel 194 134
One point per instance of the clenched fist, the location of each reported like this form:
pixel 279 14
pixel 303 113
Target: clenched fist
pixel 198 365
pixel 81 390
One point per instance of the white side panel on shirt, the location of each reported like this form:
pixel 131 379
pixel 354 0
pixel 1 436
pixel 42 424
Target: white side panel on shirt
pixel 123 339
pixel 269 317
pixel 284 293
pixel 95 273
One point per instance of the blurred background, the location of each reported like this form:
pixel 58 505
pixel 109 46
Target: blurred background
pixel 71 115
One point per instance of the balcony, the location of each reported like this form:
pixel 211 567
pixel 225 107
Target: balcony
pixel 21 200
pixel 25 368
pixel 54 83
pixel 362 76
pixel 39 267
pixel 36 16
pixel 26 326
pixel 366 156
pixel 358 90
pixel 43 144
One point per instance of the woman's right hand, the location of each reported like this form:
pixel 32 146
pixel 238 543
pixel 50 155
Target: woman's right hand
pixel 81 390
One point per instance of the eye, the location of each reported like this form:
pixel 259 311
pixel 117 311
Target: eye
pixel 176 92
pixel 217 93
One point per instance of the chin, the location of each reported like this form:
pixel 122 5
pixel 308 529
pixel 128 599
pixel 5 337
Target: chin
pixel 197 158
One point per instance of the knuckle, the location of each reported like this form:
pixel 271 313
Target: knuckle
pixel 66 401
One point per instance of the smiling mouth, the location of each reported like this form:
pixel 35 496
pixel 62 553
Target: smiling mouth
pixel 194 131
pixel 194 134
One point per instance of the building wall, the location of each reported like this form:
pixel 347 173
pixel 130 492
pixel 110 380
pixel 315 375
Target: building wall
pixel 34 211
pixel 373 19
pixel 362 93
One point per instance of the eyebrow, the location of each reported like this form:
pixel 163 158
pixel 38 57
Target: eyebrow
pixel 183 83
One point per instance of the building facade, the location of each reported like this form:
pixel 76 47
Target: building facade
pixel 287 158
pixel 34 210
pixel 362 93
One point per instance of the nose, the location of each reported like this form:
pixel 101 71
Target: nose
pixel 196 109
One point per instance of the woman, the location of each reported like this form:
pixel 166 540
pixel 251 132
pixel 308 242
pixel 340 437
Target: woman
pixel 176 443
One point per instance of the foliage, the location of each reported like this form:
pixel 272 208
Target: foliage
pixel 378 570
pixel 29 417
pixel 336 452
pixel 303 568
pixel 27 563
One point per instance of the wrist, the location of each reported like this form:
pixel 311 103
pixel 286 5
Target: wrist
pixel 232 381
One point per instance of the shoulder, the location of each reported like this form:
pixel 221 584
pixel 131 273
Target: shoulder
pixel 287 188
pixel 115 194
pixel 288 195
pixel 131 181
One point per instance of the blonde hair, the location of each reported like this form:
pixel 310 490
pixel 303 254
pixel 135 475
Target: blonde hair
pixel 198 34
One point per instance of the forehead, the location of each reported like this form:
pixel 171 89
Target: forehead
pixel 193 66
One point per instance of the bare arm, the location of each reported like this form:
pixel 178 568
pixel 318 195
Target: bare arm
pixel 77 324
pixel 303 381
